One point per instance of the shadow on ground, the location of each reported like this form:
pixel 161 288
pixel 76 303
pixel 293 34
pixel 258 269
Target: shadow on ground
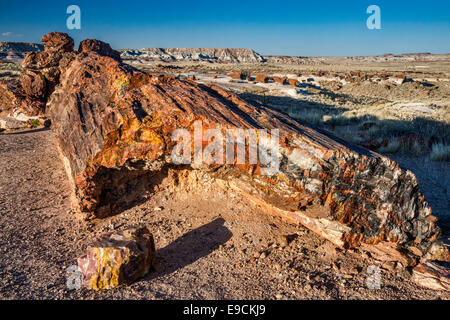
pixel 189 248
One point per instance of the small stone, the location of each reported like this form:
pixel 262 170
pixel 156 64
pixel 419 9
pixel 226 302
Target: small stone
pixel 157 208
pixel 279 296
pixel 10 123
pixel 390 265
pixel 335 266
pixel 355 270
pixel 405 273
pixel 282 241
pixel 263 255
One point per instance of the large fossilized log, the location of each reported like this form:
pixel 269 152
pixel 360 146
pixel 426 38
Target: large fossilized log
pixel 114 127
pixel 42 70
pixel 41 75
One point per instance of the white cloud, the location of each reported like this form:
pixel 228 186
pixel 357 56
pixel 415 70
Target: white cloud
pixel 11 34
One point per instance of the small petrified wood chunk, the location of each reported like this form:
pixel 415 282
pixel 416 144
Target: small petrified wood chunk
pixel 261 78
pixel 117 258
pixel 237 75
pixel 280 80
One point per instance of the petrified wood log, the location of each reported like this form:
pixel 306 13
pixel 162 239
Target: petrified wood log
pixel 102 48
pixel 115 126
pixel 261 78
pixel 41 75
pixel 280 80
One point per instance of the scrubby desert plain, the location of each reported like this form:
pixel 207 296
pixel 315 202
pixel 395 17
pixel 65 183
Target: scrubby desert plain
pixel 217 245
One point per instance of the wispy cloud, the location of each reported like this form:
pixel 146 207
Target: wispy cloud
pixel 10 34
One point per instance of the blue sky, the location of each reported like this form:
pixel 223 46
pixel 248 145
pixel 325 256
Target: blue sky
pixel 269 27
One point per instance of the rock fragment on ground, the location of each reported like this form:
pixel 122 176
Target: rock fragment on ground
pixel 117 258
pixel 432 275
pixel 8 123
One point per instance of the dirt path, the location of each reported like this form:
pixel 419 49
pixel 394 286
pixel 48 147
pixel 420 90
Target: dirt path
pixel 209 244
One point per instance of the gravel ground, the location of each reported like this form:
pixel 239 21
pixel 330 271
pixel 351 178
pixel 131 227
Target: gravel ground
pixel 210 245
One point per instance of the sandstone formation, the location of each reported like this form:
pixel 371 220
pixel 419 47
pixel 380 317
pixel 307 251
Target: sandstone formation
pixel 114 126
pixel 117 258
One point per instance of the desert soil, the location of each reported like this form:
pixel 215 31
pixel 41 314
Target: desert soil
pixel 210 245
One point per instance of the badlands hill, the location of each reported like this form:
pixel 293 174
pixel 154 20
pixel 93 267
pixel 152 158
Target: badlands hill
pixel 16 51
pixel 224 55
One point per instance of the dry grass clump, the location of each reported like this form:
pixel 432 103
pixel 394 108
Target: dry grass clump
pixel 9 71
pixel 396 146
pixel 413 138
pixel 440 152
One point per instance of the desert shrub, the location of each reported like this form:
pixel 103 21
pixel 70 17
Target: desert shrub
pixel 347 118
pixel 392 147
pixel 311 116
pixel 440 152
pixel 414 150
pixel 396 146
pixel 348 134
pixel 395 128
pixel 373 132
